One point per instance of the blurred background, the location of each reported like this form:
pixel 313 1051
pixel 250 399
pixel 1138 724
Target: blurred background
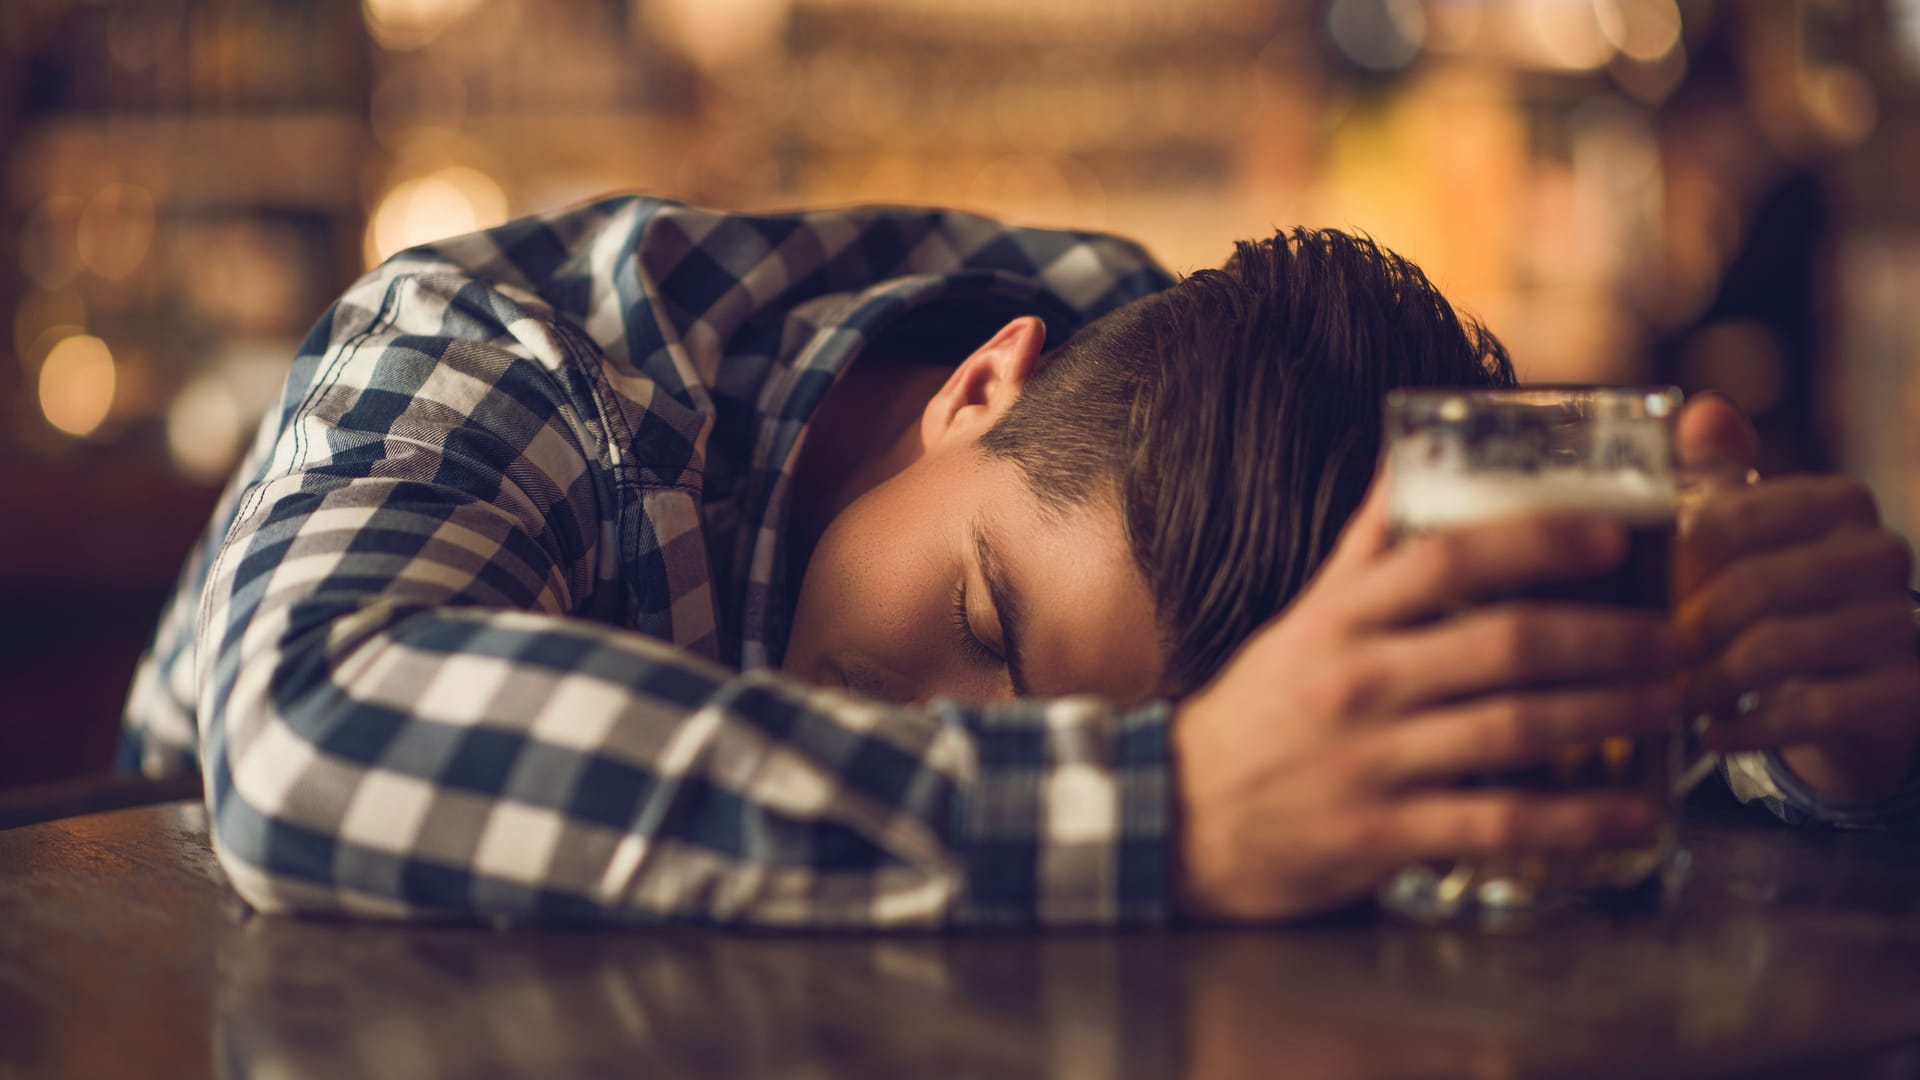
pixel 1719 194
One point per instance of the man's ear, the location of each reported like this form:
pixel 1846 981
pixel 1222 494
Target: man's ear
pixel 985 385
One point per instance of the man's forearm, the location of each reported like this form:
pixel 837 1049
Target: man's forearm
pixel 536 767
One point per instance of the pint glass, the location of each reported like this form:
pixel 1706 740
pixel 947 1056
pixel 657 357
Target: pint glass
pixel 1462 457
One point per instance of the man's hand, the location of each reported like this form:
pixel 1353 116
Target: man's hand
pixel 1800 599
pixel 1327 753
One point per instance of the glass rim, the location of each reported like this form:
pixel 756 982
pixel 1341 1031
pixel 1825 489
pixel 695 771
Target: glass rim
pixel 1660 401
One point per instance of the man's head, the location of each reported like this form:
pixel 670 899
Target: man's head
pixel 1146 495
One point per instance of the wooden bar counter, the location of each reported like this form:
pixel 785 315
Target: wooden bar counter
pixel 1792 953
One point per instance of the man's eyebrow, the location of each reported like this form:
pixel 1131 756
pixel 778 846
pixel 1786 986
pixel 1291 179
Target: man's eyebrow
pixel 1008 611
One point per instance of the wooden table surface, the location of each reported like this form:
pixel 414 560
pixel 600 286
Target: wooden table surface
pixel 1793 953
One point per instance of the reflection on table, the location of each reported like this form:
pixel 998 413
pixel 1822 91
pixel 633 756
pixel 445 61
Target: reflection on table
pixel 1789 951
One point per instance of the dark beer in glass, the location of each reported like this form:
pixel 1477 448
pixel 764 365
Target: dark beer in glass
pixel 1460 458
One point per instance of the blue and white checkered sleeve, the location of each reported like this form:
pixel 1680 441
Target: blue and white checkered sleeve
pixel 1763 778
pixel 404 712
pixel 1067 818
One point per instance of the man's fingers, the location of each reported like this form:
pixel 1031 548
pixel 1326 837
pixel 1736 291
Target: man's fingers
pixel 1710 431
pixel 1562 726
pixel 1847 567
pixel 1880 702
pixel 1435 573
pixel 1783 648
pixel 1492 822
pixel 1520 645
pixel 1775 514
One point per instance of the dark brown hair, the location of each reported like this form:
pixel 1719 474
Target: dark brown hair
pixel 1235 417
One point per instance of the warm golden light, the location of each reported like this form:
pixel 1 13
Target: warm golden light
pixel 1841 104
pixel 719 33
pixel 42 345
pixel 1906 23
pixel 1650 82
pixel 1566 34
pixel 449 202
pixel 1645 30
pixel 76 385
pixel 410 24
pixel 42 310
pixel 116 230
pixel 205 429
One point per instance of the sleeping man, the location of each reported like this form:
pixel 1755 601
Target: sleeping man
pixel 887 567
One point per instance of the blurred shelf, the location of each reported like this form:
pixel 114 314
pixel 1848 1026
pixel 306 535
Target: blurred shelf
pixel 303 159
pixel 1017 23
pixel 530 143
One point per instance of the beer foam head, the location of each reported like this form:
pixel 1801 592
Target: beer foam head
pixel 1440 500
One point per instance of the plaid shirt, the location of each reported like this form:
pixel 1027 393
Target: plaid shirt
pixel 486 623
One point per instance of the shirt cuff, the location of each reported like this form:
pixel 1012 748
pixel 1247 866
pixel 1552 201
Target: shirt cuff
pixel 1068 818
pixel 1900 808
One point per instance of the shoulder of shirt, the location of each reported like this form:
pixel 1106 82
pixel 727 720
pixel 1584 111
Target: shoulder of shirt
pixel 586 247
pixel 643 290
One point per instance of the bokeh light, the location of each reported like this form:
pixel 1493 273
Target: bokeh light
pixel 1565 34
pixel 115 231
pixel 41 311
pixel 1378 35
pixel 1650 82
pixel 43 345
pixel 205 428
pixel 1906 23
pixel 1643 30
pixel 1841 104
pixel 446 203
pixel 719 34
pixel 77 385
pixel 1707 191
pixel 412 24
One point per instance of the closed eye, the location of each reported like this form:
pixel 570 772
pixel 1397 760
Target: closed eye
pixel 963 628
